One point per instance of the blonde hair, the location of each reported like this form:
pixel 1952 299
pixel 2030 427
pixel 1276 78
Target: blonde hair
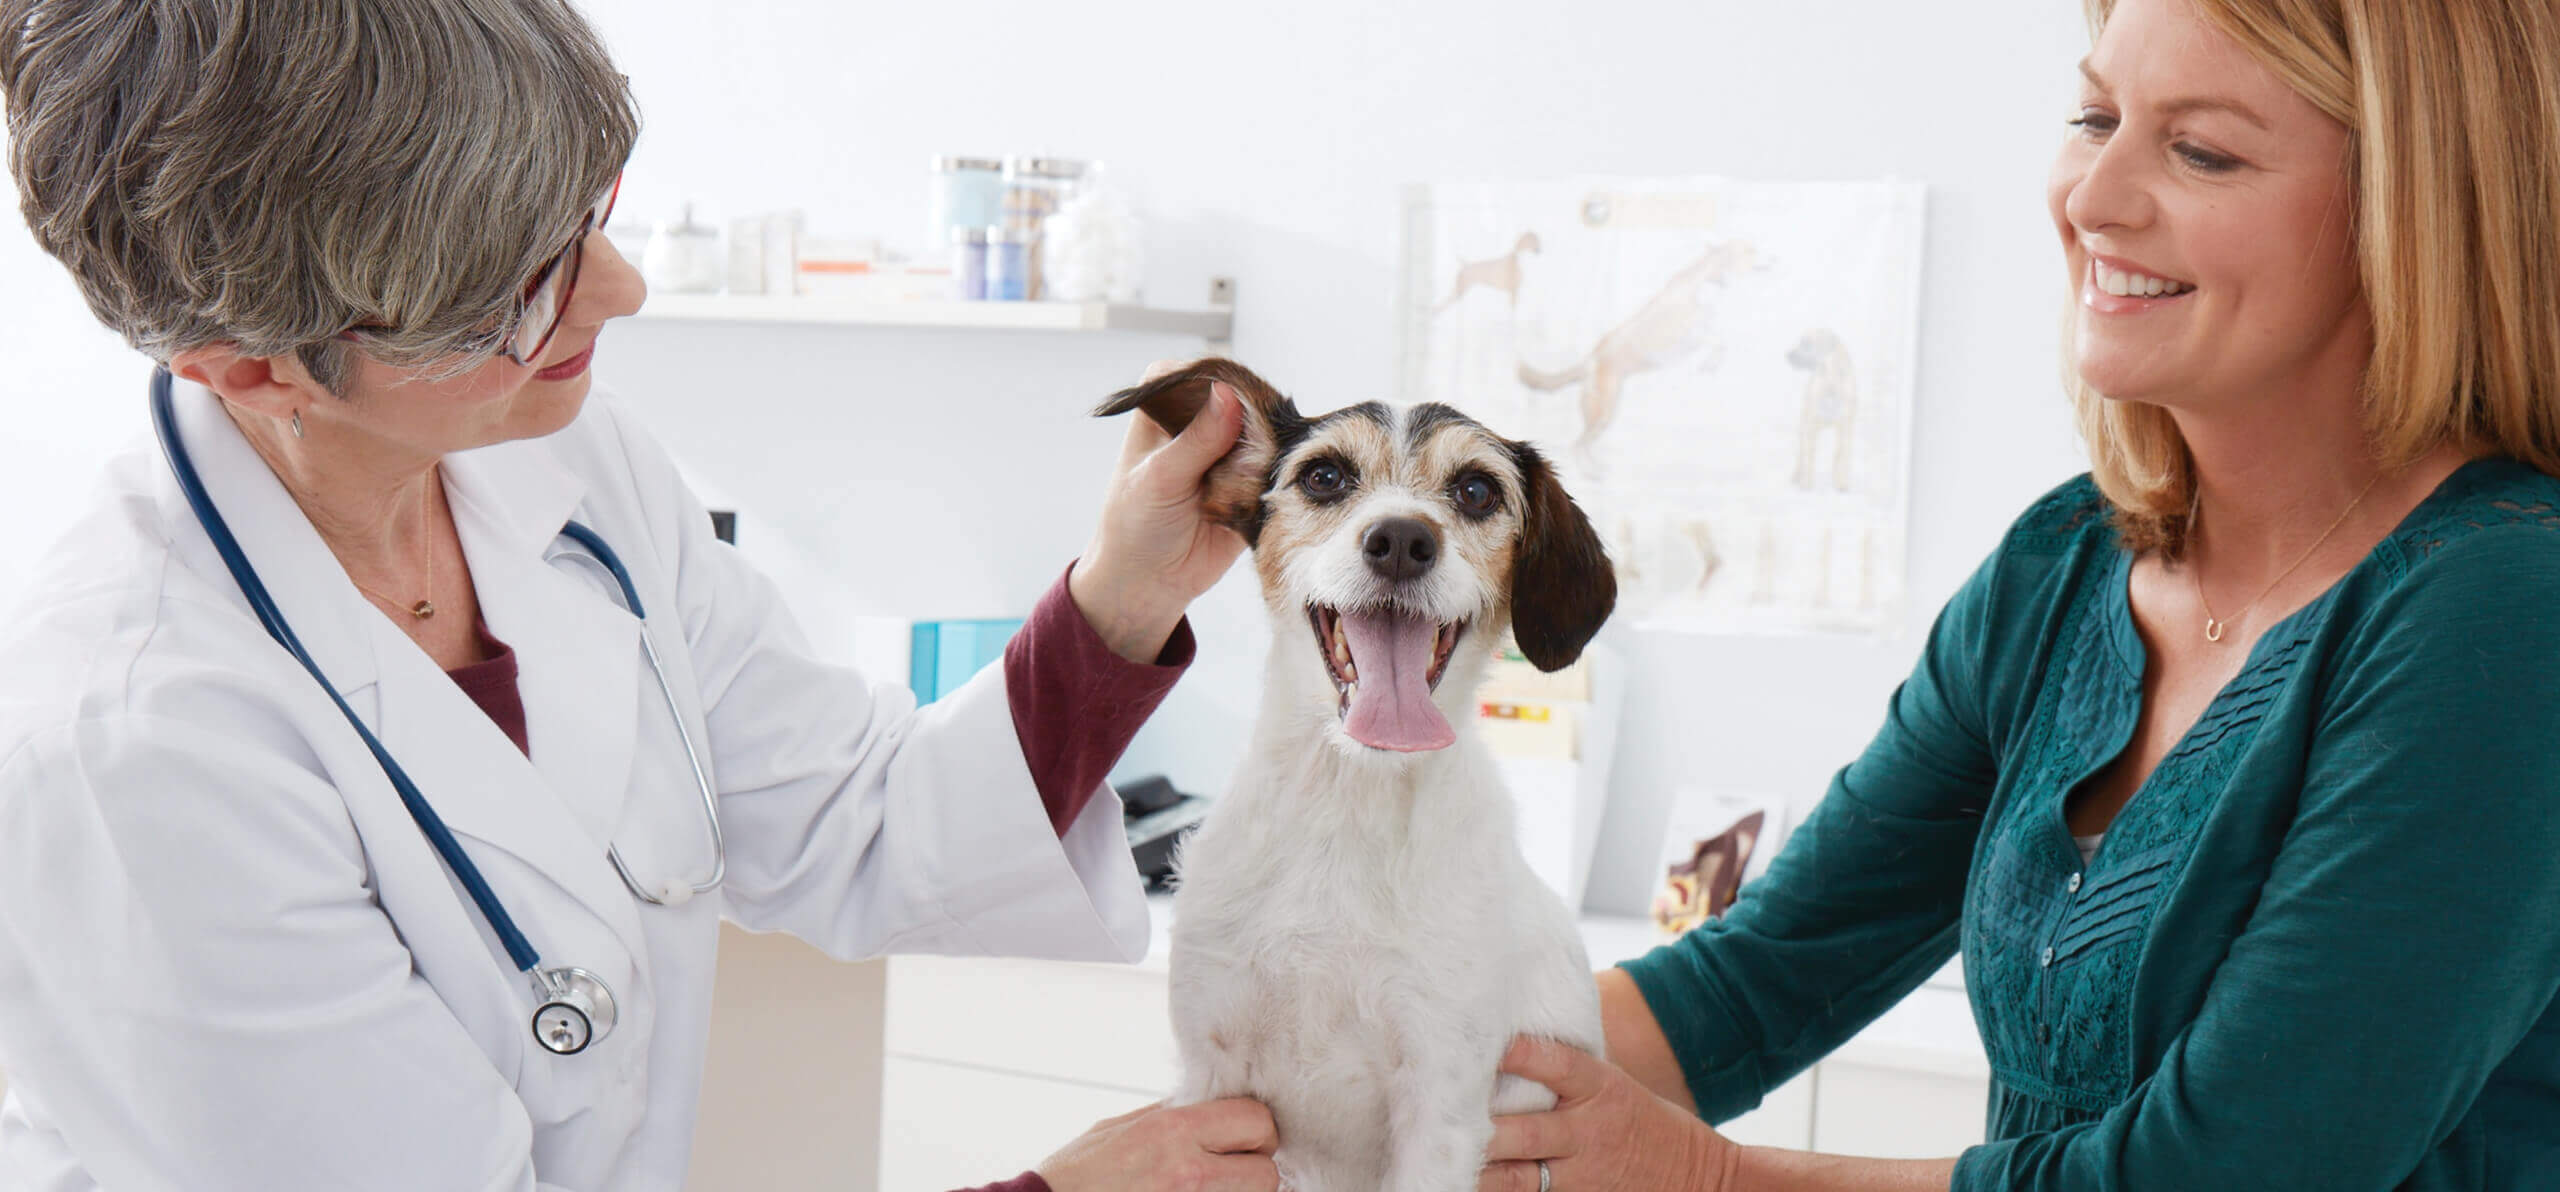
pixel 274 172
pixel 2452 108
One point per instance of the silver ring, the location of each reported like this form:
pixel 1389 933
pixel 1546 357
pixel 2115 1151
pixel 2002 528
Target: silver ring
pixel 1546 1178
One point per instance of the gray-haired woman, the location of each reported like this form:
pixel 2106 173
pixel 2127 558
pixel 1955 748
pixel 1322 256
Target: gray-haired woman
pixel 375 774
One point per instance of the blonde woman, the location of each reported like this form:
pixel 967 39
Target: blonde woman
pixel 2234 773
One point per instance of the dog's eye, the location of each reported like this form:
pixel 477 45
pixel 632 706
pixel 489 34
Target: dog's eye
pixel 1324 479
pixel 1476 495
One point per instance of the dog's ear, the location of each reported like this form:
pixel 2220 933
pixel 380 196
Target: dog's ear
pixel 1232 491
pixel 1562 586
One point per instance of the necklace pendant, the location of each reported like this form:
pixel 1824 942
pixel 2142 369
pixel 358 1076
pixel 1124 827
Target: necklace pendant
pixel 2212 629
pixel 423 609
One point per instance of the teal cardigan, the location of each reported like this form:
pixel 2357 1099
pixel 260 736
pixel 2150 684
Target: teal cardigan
pixel 2319 948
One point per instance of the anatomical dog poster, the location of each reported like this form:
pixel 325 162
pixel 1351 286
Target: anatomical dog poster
pixel 1722 369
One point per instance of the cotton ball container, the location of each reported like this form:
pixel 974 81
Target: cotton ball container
pixel 1089 248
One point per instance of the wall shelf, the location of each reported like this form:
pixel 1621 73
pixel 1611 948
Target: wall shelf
pixel 1215 324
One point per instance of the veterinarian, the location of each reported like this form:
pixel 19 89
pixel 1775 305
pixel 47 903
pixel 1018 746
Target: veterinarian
pixel 383 748
pixel 2234 773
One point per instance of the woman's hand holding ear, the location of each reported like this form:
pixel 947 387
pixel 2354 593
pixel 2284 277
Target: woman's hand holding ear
pixel 1606 1131
pixel 1155 551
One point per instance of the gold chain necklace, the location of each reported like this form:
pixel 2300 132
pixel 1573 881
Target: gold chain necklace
pixel 2214 626
pixel 424 608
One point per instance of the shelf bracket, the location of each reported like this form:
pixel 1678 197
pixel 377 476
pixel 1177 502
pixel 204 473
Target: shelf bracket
pixel 1222 296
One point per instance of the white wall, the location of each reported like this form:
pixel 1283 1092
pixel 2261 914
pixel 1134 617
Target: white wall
pixel 951 474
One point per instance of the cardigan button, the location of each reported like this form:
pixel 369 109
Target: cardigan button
pixel 2047 960
pixel 2072 886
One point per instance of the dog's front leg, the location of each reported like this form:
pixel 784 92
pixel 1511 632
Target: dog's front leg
pixel 1214 1013
pixel 1215 1065
pixel 1439 1121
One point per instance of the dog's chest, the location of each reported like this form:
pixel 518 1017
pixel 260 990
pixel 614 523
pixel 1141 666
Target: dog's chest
pixel 1298 971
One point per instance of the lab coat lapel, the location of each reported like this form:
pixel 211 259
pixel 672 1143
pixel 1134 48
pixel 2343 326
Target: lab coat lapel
pixel 321 605
pixel 468 770
pixel 487 791
pixel 578 660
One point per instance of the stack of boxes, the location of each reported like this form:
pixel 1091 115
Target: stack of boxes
pixel 1553 735
pixel 942 655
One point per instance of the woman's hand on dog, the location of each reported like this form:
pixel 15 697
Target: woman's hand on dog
pixel 1215 1146
pixel 1155 551
pixel 1606 1131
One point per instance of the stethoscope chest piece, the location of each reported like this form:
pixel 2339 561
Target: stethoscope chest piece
pixel 575 1009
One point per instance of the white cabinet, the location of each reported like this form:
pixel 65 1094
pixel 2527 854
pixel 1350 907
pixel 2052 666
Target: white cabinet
pixel 1890 1112
pixel 1097 1024
pixel 1785 1117
pixel 958 1126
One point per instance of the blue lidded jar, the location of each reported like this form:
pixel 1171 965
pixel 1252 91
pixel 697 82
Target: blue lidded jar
pixel 968 192
pixel 1009 264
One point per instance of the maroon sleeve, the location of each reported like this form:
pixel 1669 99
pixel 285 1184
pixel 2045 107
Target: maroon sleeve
pixel 1028 1181
pixel 1075 703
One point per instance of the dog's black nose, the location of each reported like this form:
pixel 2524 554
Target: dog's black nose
pixel 1400 548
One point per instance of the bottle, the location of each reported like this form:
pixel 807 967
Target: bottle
pixel 683 257
pixel 1009 263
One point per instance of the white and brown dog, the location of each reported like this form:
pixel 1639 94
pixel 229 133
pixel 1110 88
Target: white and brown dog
pixel 1357 938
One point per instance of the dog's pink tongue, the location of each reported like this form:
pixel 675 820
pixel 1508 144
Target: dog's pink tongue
pixel 1392 708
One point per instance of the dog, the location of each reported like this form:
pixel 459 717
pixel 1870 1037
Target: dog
pixel 1500 274
pixel 1356 936
pixel 1670 327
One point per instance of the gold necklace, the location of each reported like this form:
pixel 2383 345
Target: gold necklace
pixel 2214 626
pixel 424 608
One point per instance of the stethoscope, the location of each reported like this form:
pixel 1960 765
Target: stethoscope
pixel 573 1007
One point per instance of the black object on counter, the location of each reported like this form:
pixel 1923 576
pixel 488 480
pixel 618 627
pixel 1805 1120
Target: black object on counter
pixel 1158 816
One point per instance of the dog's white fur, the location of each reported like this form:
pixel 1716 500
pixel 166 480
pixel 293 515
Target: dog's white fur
pixel 1357 938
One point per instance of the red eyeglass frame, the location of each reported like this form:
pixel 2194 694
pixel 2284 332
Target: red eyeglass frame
pixel 547 296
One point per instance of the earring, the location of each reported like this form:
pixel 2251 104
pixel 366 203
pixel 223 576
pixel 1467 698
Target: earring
pixel 297 424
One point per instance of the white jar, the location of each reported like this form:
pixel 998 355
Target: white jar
pixel 684 258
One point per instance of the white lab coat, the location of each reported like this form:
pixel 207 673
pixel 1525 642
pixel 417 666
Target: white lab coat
pixel 230 960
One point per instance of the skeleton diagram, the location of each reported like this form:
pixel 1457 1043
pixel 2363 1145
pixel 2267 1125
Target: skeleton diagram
pixel 1830 404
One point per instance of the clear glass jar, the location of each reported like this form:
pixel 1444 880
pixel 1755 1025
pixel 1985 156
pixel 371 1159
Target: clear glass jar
pixel 1034 189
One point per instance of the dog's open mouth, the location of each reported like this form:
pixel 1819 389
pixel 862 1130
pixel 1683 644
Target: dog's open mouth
pixel 1385 665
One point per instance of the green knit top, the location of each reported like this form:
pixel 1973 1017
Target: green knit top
pixel 2318 949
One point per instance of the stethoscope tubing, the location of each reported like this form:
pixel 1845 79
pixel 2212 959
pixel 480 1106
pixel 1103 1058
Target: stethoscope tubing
pixel 165 424
pixel 672 894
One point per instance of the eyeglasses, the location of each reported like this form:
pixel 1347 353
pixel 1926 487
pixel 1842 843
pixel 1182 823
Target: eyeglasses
pixel 549 293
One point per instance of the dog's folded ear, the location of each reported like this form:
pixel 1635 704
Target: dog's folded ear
pixel 1234 487
pixel 1562 587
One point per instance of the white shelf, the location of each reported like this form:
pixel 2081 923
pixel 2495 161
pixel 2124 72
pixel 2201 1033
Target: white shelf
pixel 1215 324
